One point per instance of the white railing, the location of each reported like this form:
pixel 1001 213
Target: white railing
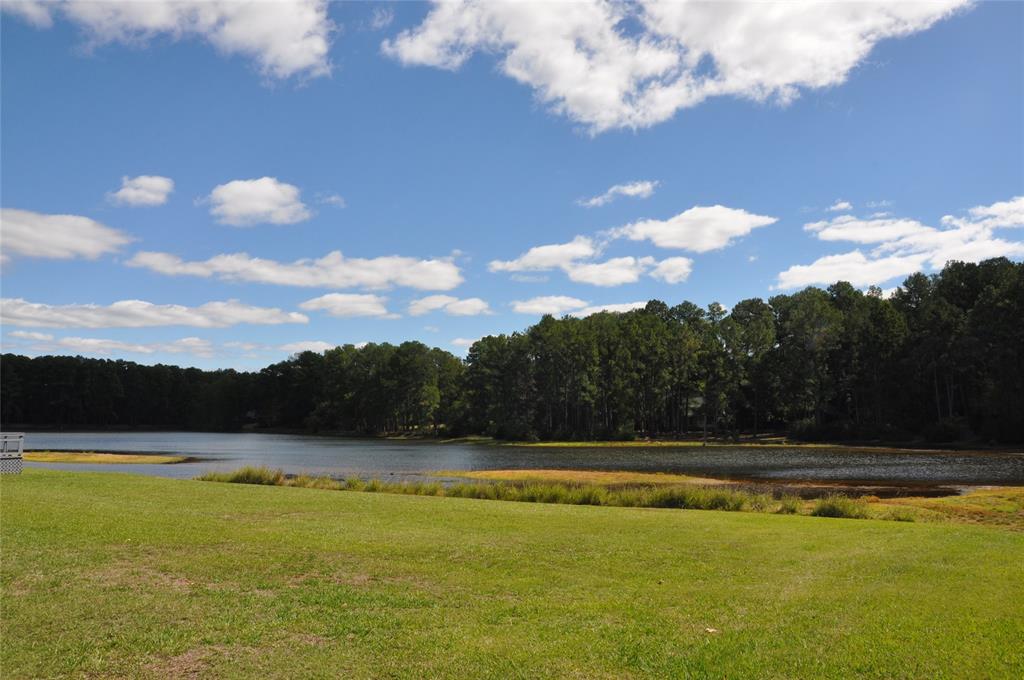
pixel 11 446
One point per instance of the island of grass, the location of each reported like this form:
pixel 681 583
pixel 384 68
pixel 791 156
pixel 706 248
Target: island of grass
pixel 131 576
pixel 104 458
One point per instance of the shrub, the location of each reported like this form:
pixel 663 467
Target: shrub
pixel 246 475
pixel 789 505
pixel 837 505
pixel 900 515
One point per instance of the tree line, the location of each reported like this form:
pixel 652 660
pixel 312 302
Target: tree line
pixel 942 358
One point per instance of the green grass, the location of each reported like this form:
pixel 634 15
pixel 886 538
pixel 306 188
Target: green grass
pixel 129 576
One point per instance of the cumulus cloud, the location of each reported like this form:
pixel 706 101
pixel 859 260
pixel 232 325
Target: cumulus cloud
pixel 872 230
pixel 854 267
pixel 641 189
pixel 465 343
pixel 60 237
pixel 699 229
pixel 30 335
pixel 998 215
pixel 103 347
pixel 548 304
pixel 285 38
pixel 617 308
pixel 558 305
pixel 245 202
pixel 333 270
pixel 575 259
pixel 554 256
pixel 139 313
pixel 450 305
pixel 673 269
pixel 904 246
pixel 349 305
pixel 146 190
pixel 840 206
pixel 613 272
pixel 318 346
pixel 635 64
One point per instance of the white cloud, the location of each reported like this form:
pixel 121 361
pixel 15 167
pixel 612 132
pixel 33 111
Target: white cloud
pixel 450 305
pixel 877 230
pixel 673 269
pixel 35 12
pixel 548 304
pixel 100 346
pixel 142 190
pixel 840 206
pixel 613 272
pixel 699 229
pixel 285 38
pixel 348 305
pixel 333 270
pixel 30 335
pixel 641 189
pixel 617 308
pixel 905 246
pixel 62 237
pixel 998 215
pixel 318 346
pixel 245 202
pixel 542 258
pixel 632 65
pixel 854 267
pixel 381 18
pixel 465 343
pixel 331 199
pixel 138 314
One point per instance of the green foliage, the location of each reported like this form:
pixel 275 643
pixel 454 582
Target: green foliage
pixel 789 505
pixel 837 505
pixel 942 359
pixel 247 475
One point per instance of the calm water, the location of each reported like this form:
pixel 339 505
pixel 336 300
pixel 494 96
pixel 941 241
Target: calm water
pixel 406 460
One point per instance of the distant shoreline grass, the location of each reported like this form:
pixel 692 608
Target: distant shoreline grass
pixel 104 458
pixel 604 478
pixel 1001 506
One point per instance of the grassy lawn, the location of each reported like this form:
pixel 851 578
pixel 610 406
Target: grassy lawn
pixel 119 575
pixel 93 457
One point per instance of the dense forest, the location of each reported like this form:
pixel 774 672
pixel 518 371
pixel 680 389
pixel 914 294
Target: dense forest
pixel 941 359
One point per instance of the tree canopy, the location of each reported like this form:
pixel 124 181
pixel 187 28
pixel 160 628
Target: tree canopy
pixel 942 358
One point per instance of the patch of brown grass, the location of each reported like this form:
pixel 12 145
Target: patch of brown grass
pixel 102 458
pixel 994 506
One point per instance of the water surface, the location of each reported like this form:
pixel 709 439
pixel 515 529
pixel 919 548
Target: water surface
pixel 387 459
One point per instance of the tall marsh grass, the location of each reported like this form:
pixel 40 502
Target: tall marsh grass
pixel 837 505
pixel 688 497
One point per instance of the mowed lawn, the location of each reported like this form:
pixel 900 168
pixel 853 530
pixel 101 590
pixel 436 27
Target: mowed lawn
pixel 106 574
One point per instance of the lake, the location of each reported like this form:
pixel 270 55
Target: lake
pixel 388 459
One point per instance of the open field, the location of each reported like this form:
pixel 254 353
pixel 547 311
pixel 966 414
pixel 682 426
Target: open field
pixel 119 575
pixel 94 457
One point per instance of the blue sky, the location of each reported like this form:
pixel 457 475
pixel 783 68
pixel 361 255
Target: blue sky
pixel 434 147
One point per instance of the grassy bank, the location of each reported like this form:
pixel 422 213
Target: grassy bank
pixel 605 478
pixel 94 457
pixel 996 506
pixel 119 575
